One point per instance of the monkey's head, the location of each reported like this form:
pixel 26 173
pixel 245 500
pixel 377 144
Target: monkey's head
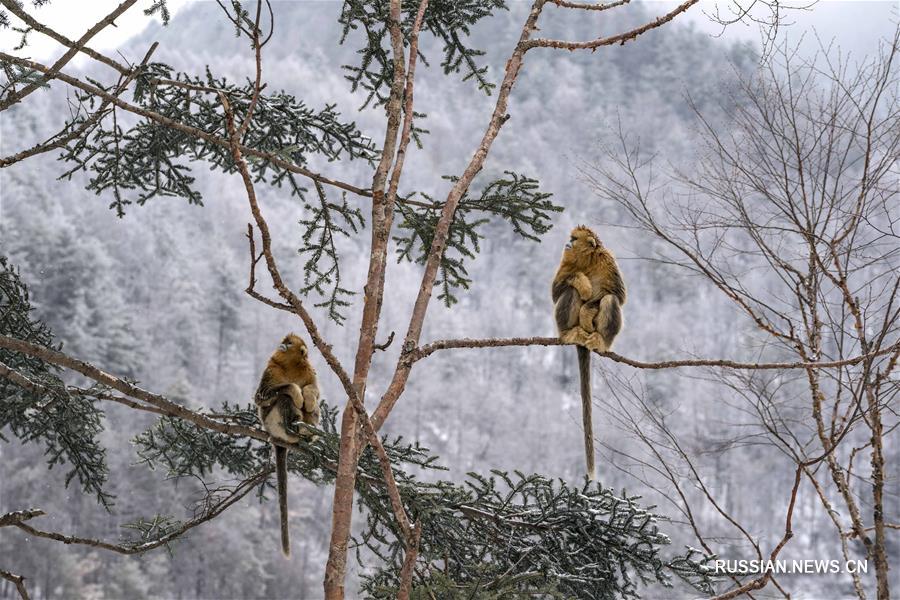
pixel 583 243
pixel 292 349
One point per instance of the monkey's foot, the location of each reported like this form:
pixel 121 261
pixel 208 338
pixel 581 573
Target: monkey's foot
pixel 596 343
pixel 575 335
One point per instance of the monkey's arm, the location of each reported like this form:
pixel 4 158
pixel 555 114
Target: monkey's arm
pixel 266 394
pixel 311 397
pixel 582 285
pixel 311 412
pixel 296 393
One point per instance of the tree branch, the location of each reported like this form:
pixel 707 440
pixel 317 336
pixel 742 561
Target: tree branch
pixel 761 581
pixel 612 40
pixel 18 581
pixel 600 6
pixel 79 46
pixel 351 443
pixel 16 517
pixel 428 349
pixel 251 287
pixel 51 73
pixel 61 139
pixel 90 371
pixel 239 491
pixel 318 341
pixel 173 124
pixel 283 290
pixel 441 233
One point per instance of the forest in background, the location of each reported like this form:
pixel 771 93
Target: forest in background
pixel 493 408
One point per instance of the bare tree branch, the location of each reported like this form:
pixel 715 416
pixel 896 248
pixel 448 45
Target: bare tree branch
pixel 16 517
pixel 13 96
pixel 18 581
pixel 209 513
pixel 761 581
pixel 79 46
pixel 620 38
pixel 428 349
pixel 599 6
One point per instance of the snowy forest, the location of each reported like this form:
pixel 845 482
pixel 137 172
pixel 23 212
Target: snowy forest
pixel 171 209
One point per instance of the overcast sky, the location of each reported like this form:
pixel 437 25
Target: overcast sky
pixel 854 25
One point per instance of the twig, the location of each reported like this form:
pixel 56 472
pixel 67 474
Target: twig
pixel 257 88
pixel 385 345
pixel 18 581
pixel 251 287
pixel 852 534
pixel 16 517
pixel 283 290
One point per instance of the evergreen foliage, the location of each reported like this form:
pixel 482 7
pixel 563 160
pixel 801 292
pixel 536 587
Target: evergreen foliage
pixel 515 198
pixel 449 21
pixel 495 535
pixel 147 160
pixel 42 409
pixel 158 157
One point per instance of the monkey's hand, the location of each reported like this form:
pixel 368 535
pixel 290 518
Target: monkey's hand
pixel 586 316
pixel 311 398
pixel 312 417
pixel 263 400
pixel 311 412
pixel 582 285
pixel 296 394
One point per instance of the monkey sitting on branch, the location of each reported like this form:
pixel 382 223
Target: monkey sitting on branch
pixel 588 294
pixel 288 392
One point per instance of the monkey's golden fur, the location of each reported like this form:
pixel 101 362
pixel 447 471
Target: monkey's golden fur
pixel 288 375
pixel 288 392
pixel 588 294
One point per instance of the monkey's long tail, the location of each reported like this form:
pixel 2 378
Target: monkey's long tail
pixel 584 371
pixel 281 475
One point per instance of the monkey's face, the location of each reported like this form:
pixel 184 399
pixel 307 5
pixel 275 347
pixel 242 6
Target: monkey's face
pixel 291 349
pixel 582 244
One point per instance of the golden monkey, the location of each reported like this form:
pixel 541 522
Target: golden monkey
pixel 288 392
pixel 588 294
